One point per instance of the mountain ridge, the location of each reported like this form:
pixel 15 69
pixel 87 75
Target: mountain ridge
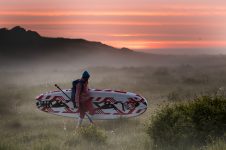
pixel 21 46
pixel 20 38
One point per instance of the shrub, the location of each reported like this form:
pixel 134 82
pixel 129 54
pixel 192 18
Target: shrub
pixel 93 134
pixel 219 144
pixel 189 124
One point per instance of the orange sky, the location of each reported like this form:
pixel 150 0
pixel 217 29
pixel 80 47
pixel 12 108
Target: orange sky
pixel 136 24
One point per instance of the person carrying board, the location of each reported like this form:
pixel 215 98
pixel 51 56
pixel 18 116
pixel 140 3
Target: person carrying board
pixel 80 95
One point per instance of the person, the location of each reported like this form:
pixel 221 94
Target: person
pixel 80 98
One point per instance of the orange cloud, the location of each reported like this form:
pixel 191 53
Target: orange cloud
pixel 167 44
pixel 168 26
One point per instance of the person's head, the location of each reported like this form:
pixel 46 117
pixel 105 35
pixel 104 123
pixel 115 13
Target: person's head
pixel 85 76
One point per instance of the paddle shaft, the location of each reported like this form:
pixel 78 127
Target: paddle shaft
pixel 62 91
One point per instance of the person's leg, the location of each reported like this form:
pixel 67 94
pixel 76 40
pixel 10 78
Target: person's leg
pixel 79 122
pixel 90 120
pixel 90 109
pixel 82 115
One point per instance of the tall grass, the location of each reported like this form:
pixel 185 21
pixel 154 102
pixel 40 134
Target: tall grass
pixel 23 127
pixel 219 144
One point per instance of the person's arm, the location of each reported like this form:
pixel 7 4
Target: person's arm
pixel 77 94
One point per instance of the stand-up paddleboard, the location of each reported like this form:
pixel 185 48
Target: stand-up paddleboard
pixel 108 104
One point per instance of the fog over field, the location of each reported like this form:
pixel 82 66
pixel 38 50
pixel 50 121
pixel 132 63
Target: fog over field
pixel 23 126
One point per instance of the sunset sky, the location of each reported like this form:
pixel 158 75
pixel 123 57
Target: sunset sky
pixel 142 25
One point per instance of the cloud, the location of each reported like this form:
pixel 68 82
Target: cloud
pixel 127 23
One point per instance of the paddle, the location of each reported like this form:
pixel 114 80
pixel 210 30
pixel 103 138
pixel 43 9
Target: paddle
pixel 62 91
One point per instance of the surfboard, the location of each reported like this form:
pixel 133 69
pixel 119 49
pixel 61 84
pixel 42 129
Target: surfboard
pixel 108 104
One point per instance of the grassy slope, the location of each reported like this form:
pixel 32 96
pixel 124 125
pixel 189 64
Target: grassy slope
pixel 22 126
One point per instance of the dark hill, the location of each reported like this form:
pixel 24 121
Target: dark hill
pixel 21 42
pixel 19 45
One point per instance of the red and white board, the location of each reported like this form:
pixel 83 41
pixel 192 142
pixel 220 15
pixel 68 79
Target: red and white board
pixel 108 104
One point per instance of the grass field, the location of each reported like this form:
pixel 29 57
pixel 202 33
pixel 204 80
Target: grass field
pixel 23 126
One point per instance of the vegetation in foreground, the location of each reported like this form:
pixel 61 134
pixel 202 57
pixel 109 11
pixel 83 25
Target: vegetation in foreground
pixel 187 125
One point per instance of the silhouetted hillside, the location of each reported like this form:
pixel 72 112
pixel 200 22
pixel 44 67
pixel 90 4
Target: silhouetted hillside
pixel 20 42
pixel 18 45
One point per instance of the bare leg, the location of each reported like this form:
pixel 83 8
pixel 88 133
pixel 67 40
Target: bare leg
pixel 79 122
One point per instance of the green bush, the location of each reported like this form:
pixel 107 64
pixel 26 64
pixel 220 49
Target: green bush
pixel 184 125
pixel 92 134
pixel 219 144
